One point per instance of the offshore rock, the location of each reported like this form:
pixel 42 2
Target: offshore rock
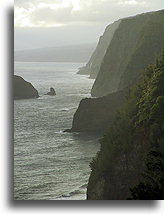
pixel 51 92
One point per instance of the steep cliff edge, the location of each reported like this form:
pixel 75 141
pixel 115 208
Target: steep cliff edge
pixel 96 115
pixel 135 44
pixel 137 133
pixel 23 89
pixel 93 66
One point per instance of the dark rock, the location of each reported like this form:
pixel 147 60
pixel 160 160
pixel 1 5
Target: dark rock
pixel 51 92
pixel 23 89
pixel 67 130
pixel 97 114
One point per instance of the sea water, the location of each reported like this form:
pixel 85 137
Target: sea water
pixel 48 163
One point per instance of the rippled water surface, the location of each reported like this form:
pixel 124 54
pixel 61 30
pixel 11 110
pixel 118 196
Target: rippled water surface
pixel 50 164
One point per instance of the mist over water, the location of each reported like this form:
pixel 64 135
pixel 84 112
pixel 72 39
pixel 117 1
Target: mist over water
pixel 50 164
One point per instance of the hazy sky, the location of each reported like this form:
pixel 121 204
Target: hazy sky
pixel 41 23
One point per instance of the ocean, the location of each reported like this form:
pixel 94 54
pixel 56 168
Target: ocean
pixel 48 163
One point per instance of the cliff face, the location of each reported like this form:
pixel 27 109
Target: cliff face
pixel 96 115
pixel 137 133
pixel 93 66
pixel 135 44
pixel 23 89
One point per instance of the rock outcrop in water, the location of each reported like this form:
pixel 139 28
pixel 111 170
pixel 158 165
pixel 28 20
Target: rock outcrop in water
pixel 51 92
pixel 23 89
pixel 136 43
pixel 93 66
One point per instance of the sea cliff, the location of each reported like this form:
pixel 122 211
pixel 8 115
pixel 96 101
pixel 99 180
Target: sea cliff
pixel 93 66
pixel 97 114
pixel 136 43
pixel 128 107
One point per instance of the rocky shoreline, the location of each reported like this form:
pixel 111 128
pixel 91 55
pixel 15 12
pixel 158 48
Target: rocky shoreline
pixel 23 89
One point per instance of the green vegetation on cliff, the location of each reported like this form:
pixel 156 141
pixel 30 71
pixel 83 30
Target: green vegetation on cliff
pixel 151 184
pixel 137 132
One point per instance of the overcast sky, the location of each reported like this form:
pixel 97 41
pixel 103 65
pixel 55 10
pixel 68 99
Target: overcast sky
pixel 42 23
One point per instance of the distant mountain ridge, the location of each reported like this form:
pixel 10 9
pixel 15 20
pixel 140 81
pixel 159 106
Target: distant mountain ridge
pixel 71 53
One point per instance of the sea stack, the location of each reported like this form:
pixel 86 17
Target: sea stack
pixel 24 89
pixel 51 92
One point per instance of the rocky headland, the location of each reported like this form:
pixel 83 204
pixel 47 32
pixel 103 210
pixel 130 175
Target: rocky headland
pixel 23 89
pixel 97 114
